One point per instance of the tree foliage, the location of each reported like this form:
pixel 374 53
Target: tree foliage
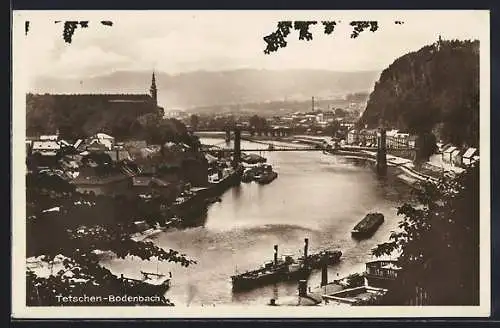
pixel 82 224
pixel 194 120
pixel 69 27
pixel 258 123
pixel 277 39
pixel 439 243
pixel 158 130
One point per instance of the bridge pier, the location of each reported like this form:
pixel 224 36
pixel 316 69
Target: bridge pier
pixel 382 153
pixel 237 148
pixel 228 135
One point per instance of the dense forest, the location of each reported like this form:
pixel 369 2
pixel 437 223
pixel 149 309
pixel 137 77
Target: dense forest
pixel 435 89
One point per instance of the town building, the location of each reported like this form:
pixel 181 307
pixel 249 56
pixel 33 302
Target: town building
pixel 151 186
pixel 118 155
pixel 51 137
pixel 352 136
pixel 446 154
pixel 103 139
pixel 45 147
pixel 468 156
pixel 456 158
pixel 381 273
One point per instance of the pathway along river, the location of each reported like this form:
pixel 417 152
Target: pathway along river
pixel 316 195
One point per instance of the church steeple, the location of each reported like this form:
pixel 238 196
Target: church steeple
pixel 153 90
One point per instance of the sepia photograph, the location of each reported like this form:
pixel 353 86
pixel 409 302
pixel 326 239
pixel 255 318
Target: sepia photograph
pixel 182 164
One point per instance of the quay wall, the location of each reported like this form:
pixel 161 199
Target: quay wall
pixel 198 202
pixel 406 169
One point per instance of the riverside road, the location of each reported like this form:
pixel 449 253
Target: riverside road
pixel 318 196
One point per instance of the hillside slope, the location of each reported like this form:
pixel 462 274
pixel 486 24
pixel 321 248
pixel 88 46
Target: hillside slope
pixel 434 89
pixel 84 115
pixel 204 88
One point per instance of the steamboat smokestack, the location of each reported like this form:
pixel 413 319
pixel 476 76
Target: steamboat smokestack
pixel 306 246
pixel 275 254
pixel 302 288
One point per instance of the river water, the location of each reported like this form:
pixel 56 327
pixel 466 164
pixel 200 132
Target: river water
pixel 316 195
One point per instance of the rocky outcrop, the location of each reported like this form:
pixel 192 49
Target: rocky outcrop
pixel 435 89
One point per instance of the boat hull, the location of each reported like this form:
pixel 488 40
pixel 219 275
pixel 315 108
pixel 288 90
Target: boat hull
pixel 247 282
pixel 268 178
pixel 368 226
pixel 316 261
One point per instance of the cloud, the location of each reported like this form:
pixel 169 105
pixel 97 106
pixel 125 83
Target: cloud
pixel 178 41
pixel 76 62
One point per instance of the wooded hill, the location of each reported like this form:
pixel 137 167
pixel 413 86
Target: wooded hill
pixel 435 89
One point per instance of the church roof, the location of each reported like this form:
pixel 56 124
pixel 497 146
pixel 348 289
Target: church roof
pixel 110 97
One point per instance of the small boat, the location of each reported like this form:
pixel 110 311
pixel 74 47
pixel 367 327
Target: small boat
pixel 173 222
pixel 150 284
pixel 267 177
pixel 212 200
pixel 248 175
pixel 265 174
pixel 368 226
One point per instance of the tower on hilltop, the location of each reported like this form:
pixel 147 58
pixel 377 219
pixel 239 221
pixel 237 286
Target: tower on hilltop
pixel 153 90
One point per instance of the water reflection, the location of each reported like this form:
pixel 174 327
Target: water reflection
pixel 316 196
pixel 236 191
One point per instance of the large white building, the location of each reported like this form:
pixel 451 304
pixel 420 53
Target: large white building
pixel 103 139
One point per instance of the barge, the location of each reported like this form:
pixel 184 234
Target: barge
pixel 367 227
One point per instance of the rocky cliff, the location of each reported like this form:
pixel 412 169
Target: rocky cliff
pixel 435 89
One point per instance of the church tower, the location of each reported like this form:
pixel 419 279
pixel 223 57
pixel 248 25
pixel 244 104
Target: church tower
pixel 153 90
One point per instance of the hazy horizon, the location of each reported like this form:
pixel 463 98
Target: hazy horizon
pixel 185 41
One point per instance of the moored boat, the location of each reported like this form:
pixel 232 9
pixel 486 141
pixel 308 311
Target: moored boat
pixel 150 284
pixel 326 257
pixel 274 271
pixel 286 268
pixel 265 174
pixel 320 259
pixel 267 177
pixel 367 227
pixel 248 175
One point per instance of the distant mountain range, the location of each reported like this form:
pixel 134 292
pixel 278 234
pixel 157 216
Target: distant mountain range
pixel 207 88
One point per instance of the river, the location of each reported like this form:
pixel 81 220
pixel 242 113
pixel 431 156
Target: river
pixel 316 195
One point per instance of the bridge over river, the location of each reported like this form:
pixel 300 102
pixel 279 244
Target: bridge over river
pixel 311 143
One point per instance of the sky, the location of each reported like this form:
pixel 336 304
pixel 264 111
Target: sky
pixel 182 41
